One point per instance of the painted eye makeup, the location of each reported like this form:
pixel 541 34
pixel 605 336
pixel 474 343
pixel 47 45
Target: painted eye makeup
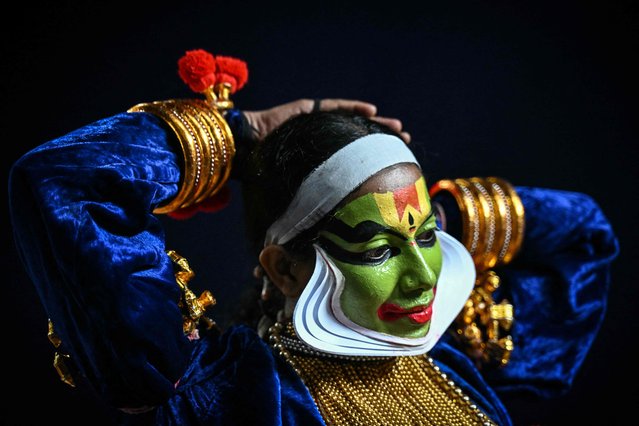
pixel 371 257
pixel 377 255
pixel 426 239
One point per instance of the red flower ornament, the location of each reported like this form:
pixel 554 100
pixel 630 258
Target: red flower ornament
pixel 201 71
pixel 197 68
pixel 233 71
pixel 216 77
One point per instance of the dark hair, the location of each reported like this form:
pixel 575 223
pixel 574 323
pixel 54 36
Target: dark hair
pixel 274 170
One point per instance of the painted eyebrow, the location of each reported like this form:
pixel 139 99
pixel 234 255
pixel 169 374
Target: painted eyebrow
pixel 363 231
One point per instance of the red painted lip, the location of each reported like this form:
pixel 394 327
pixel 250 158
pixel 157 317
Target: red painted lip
pixel 418 314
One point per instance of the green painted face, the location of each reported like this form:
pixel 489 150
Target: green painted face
pixel 386 248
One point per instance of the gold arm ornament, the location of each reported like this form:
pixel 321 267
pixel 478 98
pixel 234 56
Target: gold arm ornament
pixel 193 307
pixel 59 358
pixel 206 141
pixel 493 224
pixel 193 310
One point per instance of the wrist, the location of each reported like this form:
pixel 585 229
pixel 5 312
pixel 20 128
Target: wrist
pixel 207 146
pixel 245 139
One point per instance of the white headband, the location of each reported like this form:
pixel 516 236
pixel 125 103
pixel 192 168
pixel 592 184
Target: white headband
pixel 334 179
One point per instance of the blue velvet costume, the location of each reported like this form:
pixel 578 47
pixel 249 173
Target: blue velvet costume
pixel 81 210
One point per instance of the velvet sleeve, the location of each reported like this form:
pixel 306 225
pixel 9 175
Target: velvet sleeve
pixel 558 285
pixel 81 209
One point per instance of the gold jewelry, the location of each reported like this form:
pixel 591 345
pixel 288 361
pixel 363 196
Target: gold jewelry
pixel 59 358
pixel 511 212
pixel 483 325
pixel 486 257
pixel 206 141
pixel 193 310
pixel 193 307
pixel 493 222
pixel 403 390
pixel 467 208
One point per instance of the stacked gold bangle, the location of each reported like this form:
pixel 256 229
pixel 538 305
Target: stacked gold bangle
pixel 207 145
pixel 493 222
pixel 492 218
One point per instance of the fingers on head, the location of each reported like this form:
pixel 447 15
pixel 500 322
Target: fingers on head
pixel 359 107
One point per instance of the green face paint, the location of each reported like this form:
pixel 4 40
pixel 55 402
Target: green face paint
pixel 385 246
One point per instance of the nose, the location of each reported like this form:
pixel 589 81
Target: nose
pixel 417 275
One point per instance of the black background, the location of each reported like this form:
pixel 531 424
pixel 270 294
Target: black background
pixel 541 93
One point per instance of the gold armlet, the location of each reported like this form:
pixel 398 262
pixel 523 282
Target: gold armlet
pixel 193 308
pixel 59 358
pixel 493 224
pixel 206 141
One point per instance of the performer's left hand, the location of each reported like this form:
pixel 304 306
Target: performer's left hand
pixel 264 121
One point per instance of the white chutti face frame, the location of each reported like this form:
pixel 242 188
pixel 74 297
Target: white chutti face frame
pixel 318 323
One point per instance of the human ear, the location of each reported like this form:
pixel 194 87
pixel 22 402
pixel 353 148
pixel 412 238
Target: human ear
pixel 282 270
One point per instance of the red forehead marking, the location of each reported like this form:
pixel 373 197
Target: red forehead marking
pixel 404 197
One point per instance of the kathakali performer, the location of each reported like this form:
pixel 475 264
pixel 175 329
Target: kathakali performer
pixel 383 299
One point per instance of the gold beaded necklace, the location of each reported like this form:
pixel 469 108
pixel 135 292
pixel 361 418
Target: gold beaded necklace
pixel 403 390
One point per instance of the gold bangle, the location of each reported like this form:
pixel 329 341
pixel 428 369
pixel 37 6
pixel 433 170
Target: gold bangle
pixel 203 148
pixel 168 112
pixel 210 166
pixel 493 220
pixel 511 218
pixel 207 146
pixel 473 216
pixel 487 257
pixel 225 147
pixel 468 210
pixel 492 215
